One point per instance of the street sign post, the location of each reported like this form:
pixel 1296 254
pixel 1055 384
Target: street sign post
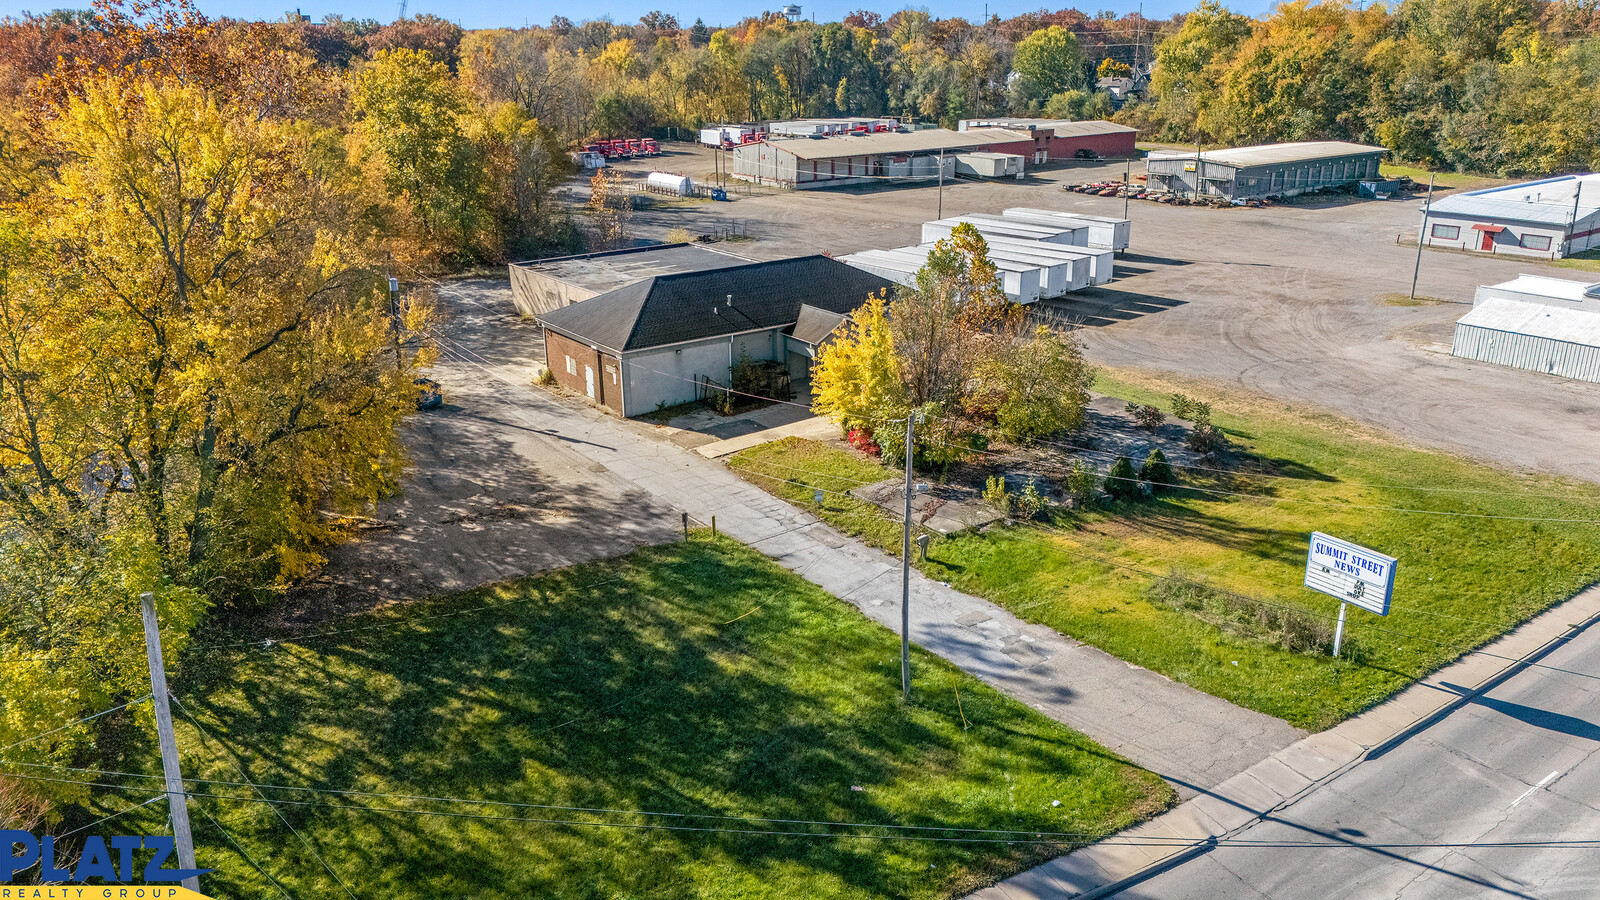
pixel 1351 572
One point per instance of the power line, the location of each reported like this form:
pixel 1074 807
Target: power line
pixel 1002 835
pixel 282 892
pixel 1270 499
pixel 74 722
pixel 281 817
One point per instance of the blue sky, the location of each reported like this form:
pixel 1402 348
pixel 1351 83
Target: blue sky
pixel 502 13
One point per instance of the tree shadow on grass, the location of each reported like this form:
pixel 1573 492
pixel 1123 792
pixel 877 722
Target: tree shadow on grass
pixel 700 686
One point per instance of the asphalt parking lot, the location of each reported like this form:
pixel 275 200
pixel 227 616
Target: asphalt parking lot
pixel 1282 301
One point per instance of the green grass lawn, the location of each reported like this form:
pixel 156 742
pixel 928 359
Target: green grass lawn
pixel 1444 181
pixel 1460 581
pixel 1583 260
pixel 698 679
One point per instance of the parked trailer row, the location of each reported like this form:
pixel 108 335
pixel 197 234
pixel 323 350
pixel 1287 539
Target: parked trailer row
pixel 1020 281
pixel 1098 262
pixel 1104 231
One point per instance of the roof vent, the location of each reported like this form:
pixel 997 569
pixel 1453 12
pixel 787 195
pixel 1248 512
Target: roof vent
pixel 730 301
pixel 714 311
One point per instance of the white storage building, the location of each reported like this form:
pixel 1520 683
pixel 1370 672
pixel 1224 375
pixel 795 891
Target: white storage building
pixel 1552 218
pixel 1534 322
pixel 983 164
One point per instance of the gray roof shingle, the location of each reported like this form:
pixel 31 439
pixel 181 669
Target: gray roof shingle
pixel 671 309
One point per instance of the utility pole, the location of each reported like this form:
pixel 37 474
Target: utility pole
pixel 1127 187
pixel 1421 230
pixel 1572 229
pixel 941 183
pixel 1199 170
pixel 169 743
pixel 905 574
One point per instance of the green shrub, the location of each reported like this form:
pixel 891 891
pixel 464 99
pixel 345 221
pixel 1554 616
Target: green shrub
pixel 1206 439
pixel 1083 485
pixel 994 491
pixel 1028 502
pixel 1121 482
pixel 1156 471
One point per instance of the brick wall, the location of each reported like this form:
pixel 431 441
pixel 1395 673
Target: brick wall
pixel 567 360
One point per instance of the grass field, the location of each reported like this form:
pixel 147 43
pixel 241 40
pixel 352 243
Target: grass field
pixel 1444 181
pixel 1461 581
pixel 691 686
pixel 1584 260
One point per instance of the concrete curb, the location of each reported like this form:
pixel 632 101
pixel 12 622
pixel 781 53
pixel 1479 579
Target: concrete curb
pixel 1282 779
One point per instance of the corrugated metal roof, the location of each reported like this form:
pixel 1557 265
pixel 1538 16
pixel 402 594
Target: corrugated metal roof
pixel 1545 286
pixel 611 269
pixel 841 146
pixel 815 324
pixel 1275 154
pixel 1534 319
pixel 1547 201
pixel 1062 127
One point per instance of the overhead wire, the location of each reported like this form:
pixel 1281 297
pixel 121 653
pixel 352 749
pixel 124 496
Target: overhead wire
pixel 1006 836
pixel 204 734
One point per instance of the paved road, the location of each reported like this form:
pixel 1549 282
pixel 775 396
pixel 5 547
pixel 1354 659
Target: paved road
pixel 637 479
pixel 1516 764
pixel 1282 301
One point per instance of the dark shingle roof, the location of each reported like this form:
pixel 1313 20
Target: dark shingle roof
pixel 814 325
pixel 670 309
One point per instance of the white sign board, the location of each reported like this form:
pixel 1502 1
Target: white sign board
pixel 1350 572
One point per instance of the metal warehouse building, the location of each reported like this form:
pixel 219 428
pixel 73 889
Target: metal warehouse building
pixel 860 158
pixel 1553 218
pixel 1243 173
pixel 1548 325
pixel 1041 140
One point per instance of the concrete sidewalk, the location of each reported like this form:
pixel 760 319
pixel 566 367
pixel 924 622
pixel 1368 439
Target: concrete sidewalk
pixel 1105 870
pixel 1193 739
pixel 815 428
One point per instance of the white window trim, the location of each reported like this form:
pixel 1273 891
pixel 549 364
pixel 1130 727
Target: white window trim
pixel 572 366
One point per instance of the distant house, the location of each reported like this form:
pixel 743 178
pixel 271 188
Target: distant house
pixel 653 343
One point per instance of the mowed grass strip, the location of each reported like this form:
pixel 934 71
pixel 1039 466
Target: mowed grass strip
pixel 1461 580
pixel 698 679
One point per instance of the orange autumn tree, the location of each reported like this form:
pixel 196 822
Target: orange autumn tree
pixel 198 362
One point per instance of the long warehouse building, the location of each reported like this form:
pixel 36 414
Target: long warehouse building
pixel 1275 170
pixel 842 160
pixel 1534 322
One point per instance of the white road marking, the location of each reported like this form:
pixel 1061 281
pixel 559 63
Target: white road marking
pixel 1542 782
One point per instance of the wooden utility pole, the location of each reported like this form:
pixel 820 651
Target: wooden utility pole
pixel 1421 231
pixel 169 742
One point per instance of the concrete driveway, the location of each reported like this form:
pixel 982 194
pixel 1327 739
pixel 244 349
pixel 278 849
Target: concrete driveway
pixel 489 495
